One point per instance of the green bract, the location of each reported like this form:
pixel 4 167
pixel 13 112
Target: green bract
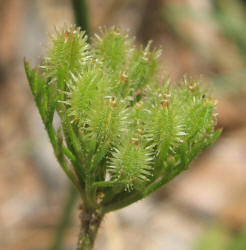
pixel 123 132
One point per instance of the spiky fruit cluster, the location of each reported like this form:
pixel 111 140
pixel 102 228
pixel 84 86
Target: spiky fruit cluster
pixel 124 131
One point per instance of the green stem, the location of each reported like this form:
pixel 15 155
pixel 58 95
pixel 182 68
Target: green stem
pixel 90 191
pixel 53 138
pixel 65 218
pixel 90 222
pixel 106 183
pixel 80 9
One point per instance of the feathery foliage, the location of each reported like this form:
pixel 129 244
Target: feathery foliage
pixel 124 131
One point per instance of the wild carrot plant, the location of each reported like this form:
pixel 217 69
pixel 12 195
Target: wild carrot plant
pixel 123 131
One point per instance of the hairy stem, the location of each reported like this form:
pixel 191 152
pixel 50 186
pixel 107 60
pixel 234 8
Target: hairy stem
pixel 90 222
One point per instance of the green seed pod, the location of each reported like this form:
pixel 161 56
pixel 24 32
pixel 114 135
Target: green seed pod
pixel 131 164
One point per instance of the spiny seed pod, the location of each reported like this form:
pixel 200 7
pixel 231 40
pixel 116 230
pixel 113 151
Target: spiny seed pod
pixel 130 163
pixel 112 47
pixel 68 53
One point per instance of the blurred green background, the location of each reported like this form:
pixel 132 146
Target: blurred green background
pixel 205 207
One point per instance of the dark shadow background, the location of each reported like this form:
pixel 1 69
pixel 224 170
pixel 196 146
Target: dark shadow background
pixel 205 207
